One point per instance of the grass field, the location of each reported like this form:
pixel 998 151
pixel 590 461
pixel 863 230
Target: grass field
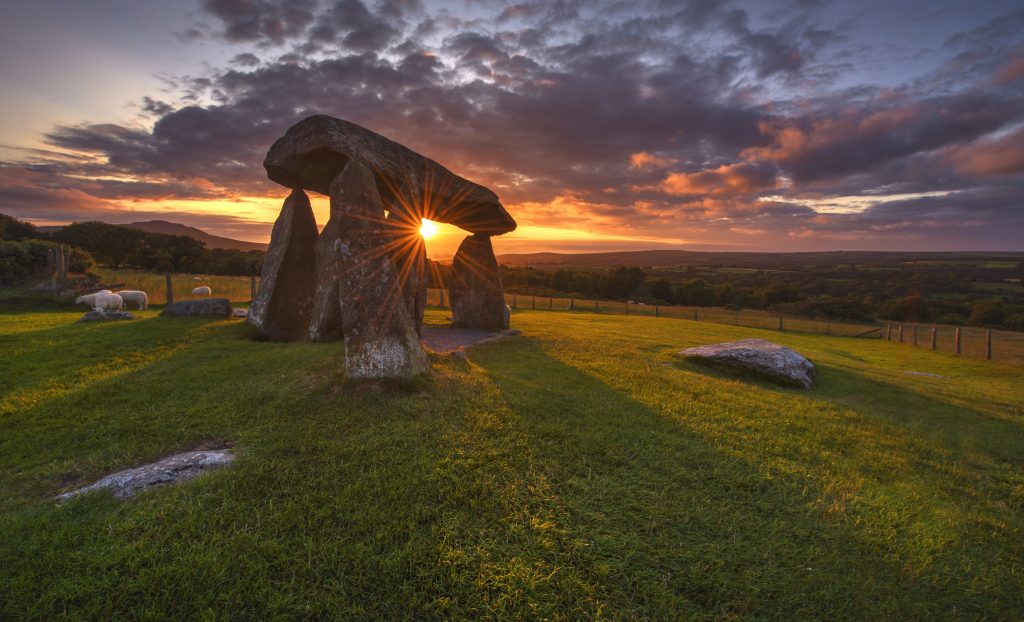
pixel 578 471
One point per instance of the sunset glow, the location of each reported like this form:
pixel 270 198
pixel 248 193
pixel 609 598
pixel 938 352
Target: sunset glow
pixel 428 229
pixel 771 126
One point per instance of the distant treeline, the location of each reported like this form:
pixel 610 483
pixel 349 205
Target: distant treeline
pixel 23 250
pixel 888 290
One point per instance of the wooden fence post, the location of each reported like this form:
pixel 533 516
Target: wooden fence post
pixel 170 288
pixel 533 303
pixel 828 326
pixel 934 337
pixel 442 297
pixel 735 318
pixel 957 339
pixel 780 323
pixel 888 330
pixel 913 334
pixel 627 307
pixel 597 306
pixel 551 302
pixel 901 333
pixel 696 315
pixel 572 304
pixel 656 311
pixel 252 287
pixel 515 301
pixel 988 344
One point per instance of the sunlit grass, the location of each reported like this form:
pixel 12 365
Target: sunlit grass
pixel 579 471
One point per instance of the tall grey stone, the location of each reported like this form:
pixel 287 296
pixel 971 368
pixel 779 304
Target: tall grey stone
pixel 284 299
pixel 381 340
pixel 477 298
pixel 409 255
pixel 325 318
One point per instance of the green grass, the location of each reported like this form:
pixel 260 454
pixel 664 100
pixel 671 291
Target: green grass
pixel 578 471
pixel 234 288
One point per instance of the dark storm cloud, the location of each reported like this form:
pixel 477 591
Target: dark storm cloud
pixel 261 20
pixel 547 100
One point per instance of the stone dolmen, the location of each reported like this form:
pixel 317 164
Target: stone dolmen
pixel 363 278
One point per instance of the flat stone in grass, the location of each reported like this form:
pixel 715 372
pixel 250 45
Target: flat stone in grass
pixel 105 316
pixel 757 356
pixel 178 467
pixel 220 307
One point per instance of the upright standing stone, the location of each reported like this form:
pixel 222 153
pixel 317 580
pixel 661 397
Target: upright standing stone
pixel 380 337
pixel 325 319
pixel 409 255
pixel 477 298
pixel 282 306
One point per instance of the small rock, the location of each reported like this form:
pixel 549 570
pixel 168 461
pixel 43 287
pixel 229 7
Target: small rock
pixel 103 316
pixel 178 467
pixel 240 313
pixel 220 307
pixel 760 357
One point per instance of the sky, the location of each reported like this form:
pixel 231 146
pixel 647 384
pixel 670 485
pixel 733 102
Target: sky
pixel 777 125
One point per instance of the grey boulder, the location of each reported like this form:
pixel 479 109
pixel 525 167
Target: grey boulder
pixel 174 468
pixel 220 307
pixel 477 298
pixel 757 356
pixel 104 316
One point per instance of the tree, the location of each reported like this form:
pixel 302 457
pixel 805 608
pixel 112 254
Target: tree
pixel 988 312
pixel 15 230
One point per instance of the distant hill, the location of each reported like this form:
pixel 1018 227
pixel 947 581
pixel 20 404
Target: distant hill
pixel 662 258
pixel 211 241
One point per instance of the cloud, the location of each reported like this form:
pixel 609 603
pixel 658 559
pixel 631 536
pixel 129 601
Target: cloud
pixel 728 179
pixel 261 20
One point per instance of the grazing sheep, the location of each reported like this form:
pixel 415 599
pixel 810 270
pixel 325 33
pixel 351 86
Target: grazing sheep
pixel 90 299
pixel 108 302
pixel 134 297
pixel 202 291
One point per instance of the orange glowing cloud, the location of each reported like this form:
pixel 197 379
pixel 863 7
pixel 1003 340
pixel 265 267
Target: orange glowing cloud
pixel 990 158
pixel 728 179
pixel 643 159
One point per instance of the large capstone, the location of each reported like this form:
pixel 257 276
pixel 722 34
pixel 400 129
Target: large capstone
pixel 381 339
pixel 759 357
pixel 283 302
pixel 314 151
pixel 477 298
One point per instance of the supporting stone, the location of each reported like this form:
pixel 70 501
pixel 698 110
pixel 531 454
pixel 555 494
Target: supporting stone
pixel 409 256
pixel 477 298
pixel 325 318
pixel 380 337
pixel 282 305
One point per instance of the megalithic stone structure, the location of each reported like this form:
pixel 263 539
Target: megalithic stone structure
pixel 364 278
pixel 381 340
pixel 477 298
pixel 283 300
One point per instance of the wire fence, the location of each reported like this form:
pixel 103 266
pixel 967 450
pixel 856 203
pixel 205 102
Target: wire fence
pixel 161 289
pixel 997 345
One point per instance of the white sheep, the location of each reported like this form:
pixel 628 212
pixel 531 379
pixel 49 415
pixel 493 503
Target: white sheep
pixel 90 299
pixel 108 302
pixel 134 297
pixel 202 291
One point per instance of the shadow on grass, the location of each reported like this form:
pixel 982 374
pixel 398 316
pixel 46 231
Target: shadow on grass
pixel 661 516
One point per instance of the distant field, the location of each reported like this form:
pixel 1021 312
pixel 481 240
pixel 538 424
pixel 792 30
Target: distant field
pixel 235 288
pixel 578 471
pixel 993 287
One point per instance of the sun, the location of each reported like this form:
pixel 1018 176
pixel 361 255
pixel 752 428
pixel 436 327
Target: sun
pixel 428 229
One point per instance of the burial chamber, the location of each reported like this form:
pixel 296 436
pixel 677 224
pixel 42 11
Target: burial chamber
pixel 363 277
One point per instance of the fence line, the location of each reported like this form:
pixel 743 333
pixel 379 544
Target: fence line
pixel 997 345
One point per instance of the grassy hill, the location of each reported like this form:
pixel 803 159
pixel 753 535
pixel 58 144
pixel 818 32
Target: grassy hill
pixel 575 472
